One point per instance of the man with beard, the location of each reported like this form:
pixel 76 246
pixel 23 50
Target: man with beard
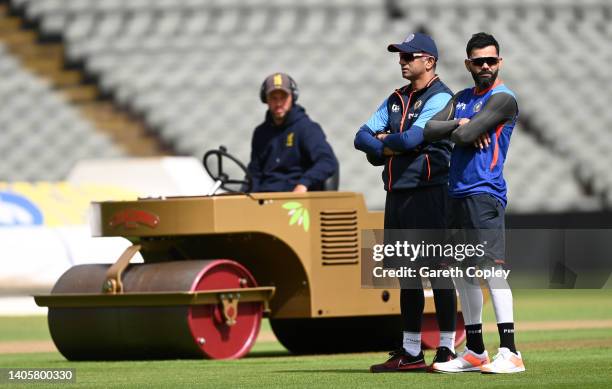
pixel 415 177
pixel 289 152
pixel 480 121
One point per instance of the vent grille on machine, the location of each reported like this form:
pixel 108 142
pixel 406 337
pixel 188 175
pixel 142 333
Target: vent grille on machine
pixel 339 239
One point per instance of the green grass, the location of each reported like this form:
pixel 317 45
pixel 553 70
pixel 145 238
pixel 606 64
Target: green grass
pixel 545 368
pixel 553 305
pixel 24 328
pixel 562 358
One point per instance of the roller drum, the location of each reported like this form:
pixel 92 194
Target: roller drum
pixel 155 332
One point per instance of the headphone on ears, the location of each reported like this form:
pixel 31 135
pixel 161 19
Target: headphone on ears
pixel 295 92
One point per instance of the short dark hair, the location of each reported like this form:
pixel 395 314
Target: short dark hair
pixel 479 41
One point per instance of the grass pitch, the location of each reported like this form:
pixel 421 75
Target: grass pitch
pixel 554 358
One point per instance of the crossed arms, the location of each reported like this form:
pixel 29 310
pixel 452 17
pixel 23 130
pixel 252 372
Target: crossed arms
pixel 500 108
pixel 373 139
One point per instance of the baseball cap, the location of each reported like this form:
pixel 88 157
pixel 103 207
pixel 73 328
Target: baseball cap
pixel 277 81
pixel 416 43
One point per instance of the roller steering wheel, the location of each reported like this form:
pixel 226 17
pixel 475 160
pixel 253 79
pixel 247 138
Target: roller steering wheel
pixel 222 177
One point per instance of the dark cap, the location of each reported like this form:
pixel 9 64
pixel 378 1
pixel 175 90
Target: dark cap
pixel 416 43
pixel 277 81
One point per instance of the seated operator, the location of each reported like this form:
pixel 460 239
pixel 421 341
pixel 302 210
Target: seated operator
pixel 289 152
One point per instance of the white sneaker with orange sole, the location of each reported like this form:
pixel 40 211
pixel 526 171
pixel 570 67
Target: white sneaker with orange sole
pixel 466 361
pixel 505 362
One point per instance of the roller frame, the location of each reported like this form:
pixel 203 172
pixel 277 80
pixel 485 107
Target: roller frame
pixel 155 299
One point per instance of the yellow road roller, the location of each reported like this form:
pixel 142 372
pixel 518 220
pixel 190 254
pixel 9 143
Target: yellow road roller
pixel 215 265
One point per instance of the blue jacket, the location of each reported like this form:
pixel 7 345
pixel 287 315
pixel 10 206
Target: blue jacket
pixel 295 152
pixel 403 115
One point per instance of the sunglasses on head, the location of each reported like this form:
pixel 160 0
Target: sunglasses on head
pixel 491 61
pixel 408 57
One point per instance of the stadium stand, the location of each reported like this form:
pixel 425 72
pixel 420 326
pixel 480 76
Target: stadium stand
pixel 51 118
pixel 42 136
pixel 192 70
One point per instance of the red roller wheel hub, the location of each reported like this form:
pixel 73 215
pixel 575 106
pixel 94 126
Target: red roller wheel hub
pixel 207 323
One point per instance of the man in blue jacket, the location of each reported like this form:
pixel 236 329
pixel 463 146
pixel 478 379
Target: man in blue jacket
pixel 289 152
pixel 415 177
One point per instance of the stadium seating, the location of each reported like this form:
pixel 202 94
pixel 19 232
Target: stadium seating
pixel 192 69
pixel 42 136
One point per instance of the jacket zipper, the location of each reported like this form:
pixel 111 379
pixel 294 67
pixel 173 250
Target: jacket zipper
pixel 404 112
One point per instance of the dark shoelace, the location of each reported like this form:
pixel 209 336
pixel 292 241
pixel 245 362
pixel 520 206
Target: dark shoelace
pixel 395 353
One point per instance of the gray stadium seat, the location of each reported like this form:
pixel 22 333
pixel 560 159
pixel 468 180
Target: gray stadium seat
pixel 192 68
pixel 42 135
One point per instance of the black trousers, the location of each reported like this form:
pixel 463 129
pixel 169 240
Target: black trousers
pixel 416 210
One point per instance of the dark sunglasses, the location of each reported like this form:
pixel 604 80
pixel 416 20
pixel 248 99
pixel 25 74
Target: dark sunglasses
pixel 491 61
pixel 409 57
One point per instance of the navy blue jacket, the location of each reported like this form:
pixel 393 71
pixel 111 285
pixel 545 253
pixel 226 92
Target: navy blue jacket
pixel 403 115
pixel 292 153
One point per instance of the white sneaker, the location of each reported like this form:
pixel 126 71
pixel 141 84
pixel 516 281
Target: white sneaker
pixel 505 362
pixel 465 361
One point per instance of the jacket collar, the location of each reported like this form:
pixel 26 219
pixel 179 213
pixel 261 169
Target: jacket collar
pixel 408 88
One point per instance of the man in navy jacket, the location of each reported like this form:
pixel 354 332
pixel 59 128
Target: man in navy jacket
pixel 289 152
pixel 415 177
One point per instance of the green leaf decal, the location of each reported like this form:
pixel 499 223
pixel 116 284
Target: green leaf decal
pixel 296 216
pixel 292 205
pixel 306 220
